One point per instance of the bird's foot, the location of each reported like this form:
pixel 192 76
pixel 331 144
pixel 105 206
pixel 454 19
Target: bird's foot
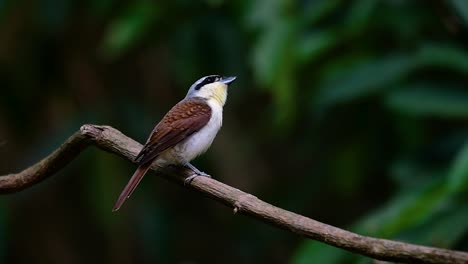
pixel 197 173
pixel 189 179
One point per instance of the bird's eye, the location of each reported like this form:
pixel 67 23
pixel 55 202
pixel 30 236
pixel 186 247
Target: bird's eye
pixel 207 80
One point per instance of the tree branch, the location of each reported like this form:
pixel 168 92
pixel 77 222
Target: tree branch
pixel 112 140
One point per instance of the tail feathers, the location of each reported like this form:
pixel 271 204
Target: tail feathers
pixel 131 185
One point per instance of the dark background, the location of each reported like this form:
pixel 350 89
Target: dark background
pixel 353 113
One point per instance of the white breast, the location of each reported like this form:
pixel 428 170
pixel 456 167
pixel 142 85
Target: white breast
pixel 197 143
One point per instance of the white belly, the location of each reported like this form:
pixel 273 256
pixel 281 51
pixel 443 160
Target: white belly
pixel 197 143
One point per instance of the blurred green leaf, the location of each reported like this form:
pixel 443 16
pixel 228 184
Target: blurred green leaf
pixel 406 209
pixel 444 56
pixel 126 30
pixel 458 174
pixel 274 62
pixel 461 7
pixel 284 91
pixel 263 13
pixel 271 51
pixel 315 44
pixel 443 230
pixel 316 10
pixel 363 80
pixel 359 15
pixel 316 252
pixel 429 100
pixel 409 174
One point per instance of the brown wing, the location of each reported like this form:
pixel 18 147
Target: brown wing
pixel 184 119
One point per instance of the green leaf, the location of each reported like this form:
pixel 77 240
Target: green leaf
pixel 271 51
pixel 316 10
pixel 275 66
pixel 375 76
pixel 263 13
pixel 406 210
pixel 443 56
pixel 363 80
pixel 409 174
pixel 359 15
pixel 128 29
pixel 458 175
pixel 316 252
pixel 461 7
pixel 284 92
pixel 443 230
pixel 429 100
pixel 311 46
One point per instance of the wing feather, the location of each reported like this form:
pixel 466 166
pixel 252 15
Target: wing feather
pixel 184 119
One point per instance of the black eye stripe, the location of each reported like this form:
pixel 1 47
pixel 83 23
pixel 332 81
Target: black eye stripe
pixel 207 80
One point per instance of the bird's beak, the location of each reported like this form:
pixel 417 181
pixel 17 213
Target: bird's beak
pixel 228 80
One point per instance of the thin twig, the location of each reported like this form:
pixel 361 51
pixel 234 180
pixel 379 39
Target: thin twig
pixel 112 140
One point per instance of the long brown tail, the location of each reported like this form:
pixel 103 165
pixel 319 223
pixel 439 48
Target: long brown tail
pixel 131 185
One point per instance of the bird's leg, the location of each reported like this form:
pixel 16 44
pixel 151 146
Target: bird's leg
pixel 196 174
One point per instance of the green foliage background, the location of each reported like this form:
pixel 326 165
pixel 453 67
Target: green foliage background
pixel 353 113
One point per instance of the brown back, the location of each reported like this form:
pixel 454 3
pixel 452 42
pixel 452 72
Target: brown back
pixel 184 119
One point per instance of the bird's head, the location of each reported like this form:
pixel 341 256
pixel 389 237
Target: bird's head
pixel 211 87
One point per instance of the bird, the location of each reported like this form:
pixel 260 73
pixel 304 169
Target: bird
pixel 185 132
